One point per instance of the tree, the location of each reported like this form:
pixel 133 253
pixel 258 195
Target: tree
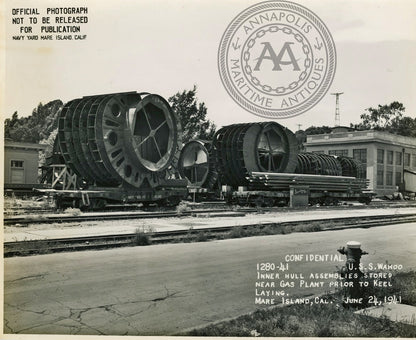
pixel 9 123
pixel 50 143
pixel 388 118
pixel 405 126
pixel 301 135
pixel 36 127
pixel 318 130
pixel 192 116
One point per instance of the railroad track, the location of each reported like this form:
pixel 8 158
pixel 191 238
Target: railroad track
pixel 36 218
pixel 33 247
pixel 113 216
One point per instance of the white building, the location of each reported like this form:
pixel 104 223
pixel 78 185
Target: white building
pixel 390 160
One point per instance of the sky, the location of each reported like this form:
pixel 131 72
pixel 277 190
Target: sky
pixel 168 46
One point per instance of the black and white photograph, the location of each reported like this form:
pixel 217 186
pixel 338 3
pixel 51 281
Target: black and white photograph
pixel 233 168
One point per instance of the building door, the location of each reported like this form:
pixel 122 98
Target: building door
pixel 17 172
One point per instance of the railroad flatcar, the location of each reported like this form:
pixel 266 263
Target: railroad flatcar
pixel 259 163
pixel 127 147
pixel 118 148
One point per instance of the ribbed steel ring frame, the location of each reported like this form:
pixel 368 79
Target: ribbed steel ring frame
pixel 197 164
pixel 131 139
pixel 351 167
pixel 318 164
pixel 240 149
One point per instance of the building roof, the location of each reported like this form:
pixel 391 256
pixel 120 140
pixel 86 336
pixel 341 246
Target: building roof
pixel 337 129
pixel 8 144
pixel 352 137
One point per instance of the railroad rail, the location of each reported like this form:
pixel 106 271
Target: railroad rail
pixel 33 247
pixel 112 216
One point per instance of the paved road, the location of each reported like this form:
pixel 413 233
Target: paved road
pixel 165 289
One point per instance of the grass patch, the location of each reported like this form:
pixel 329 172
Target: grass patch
pixel 320 320
pixel 403 284
pixel 30 247
pixel 72 211
pixel 307 321
pixel 271 229
pixel 15 205
pixel 407 284
pixel 182 207
pixel 236 232
pixel 143 236
pixel 201 237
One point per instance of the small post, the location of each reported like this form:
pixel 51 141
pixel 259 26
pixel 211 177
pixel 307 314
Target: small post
pixel 352 273
pixel 299 196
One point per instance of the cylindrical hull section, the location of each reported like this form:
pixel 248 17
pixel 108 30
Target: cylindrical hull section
pixel 243 148
pixel 127 138
pixel 318 164
pixel 351 167
pixel 197 164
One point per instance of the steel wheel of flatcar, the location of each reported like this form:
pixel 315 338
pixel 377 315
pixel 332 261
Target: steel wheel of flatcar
pixel 268 202
pixel 258 201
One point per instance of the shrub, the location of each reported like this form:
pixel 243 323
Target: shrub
pixel 201 237
pixel 143 236
pixel 181 208
pixel 72 211
pixel 236 232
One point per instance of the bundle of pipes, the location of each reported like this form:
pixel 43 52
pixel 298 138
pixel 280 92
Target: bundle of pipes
pixel 281 181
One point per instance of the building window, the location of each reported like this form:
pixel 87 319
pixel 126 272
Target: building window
pixel 380 156
pixel 398 178
pixel 360 155
pixel 343 152
pixel 414 160
pixel 398 158
pixel 389 157
pixel 319 151
pixel 407 159
pixel 380 177
pixel 17 164
pixel 389 178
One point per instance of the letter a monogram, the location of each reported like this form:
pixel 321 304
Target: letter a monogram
pixel 277 59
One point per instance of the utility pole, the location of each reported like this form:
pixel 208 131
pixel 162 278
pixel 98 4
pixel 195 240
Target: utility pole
pixel 337 117
pixel 299 125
